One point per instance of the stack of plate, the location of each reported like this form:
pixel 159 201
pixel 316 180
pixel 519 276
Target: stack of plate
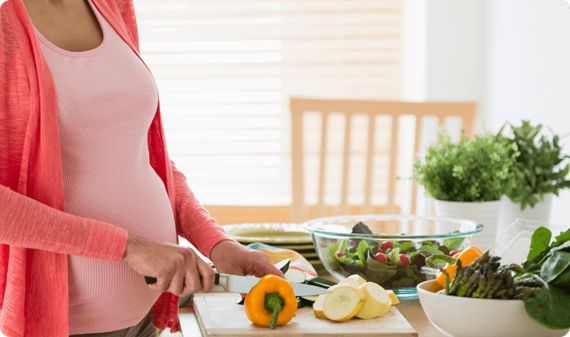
pixel 280 235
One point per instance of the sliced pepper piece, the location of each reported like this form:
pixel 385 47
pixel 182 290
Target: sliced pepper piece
pixel 467 257
pixel 271 302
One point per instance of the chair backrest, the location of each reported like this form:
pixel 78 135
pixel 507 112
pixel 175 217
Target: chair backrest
pixel 373 111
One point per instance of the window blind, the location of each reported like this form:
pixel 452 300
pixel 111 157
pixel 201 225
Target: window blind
pixel 226 69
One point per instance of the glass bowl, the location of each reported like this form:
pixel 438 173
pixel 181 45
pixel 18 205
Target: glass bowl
pixel 395 255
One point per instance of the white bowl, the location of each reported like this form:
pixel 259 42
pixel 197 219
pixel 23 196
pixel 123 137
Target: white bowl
pixel 472 317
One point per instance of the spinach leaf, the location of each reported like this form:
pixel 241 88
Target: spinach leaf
pixel 563 279
pixel 563 246
pixel 539 242
pixel 531 267
pixel 556 263
pixel 562 238
pixel 361 250
pixel 550 307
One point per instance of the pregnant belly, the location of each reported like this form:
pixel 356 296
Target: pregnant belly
pixel 105 295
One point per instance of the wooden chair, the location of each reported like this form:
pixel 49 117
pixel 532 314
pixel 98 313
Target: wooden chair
pixel 373 110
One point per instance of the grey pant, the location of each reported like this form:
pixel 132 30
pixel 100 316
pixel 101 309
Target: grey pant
pixel 144 329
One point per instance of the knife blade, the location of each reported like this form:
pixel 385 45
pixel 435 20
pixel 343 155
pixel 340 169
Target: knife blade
pixel 243 284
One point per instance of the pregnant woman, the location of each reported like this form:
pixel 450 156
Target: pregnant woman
pixel 89 199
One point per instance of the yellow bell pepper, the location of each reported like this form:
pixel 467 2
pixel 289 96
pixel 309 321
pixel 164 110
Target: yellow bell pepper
pixel 467 257
pixel 271 302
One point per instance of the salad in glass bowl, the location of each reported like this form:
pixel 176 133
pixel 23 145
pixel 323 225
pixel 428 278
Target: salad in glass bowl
pixel 395 251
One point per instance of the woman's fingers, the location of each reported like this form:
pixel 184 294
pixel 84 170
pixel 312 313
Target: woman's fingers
pixel 192 282
pixel 208 276
pixel 177 269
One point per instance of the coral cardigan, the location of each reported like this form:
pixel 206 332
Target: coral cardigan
pixel 36 235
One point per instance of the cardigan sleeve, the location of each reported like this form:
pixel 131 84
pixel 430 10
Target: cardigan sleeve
pixel 194 222
pixel 25 222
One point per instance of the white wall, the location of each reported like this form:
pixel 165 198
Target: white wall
pixel 510 56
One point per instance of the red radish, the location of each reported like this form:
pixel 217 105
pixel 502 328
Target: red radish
pixel 387 245
pixel 404 259
pixel 381 257
pixel 453 253
pixel 339 254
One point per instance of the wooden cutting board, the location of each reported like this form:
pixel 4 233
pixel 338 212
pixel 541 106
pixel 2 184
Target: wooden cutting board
pixel 220 316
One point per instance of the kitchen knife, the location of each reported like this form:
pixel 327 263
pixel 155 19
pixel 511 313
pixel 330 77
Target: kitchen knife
pixel 243 284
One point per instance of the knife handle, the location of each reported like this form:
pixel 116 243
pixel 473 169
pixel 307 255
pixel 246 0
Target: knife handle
pixel 152 280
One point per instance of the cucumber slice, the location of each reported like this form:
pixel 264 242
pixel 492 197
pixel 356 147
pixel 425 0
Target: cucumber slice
pixel 283 265
pixel 320 282
pixel 295 276
pixel 311 299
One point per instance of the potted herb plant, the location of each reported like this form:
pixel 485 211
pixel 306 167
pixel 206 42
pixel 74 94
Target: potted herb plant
pixel 468 179
pixel 538 172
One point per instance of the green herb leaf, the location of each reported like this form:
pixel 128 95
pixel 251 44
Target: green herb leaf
pixel 539 242
pixel 478 169
pixel 550 307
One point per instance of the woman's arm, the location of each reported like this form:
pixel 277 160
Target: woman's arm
pixel 25 222
pixel 194 222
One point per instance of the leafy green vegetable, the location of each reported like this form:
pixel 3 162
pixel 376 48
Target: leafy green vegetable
pixel 562 238
pixel 563 279
pixel 539 242
pixel 360 251
pixel 343 246
pixel 434 250
pixel 406 245
pixel 440 259
pixel 395 256
pixel 379 272
pixel 556 263
pixel 550 264
pixel 453 243
pixel 478 169
pixel 344 259
pixel 550 307
pixel 361 228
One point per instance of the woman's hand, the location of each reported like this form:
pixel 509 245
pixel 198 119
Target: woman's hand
pixel 231 257
pixel 177 269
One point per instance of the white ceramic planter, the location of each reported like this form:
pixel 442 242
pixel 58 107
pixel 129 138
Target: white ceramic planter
pixel 512 211
pixel 485 213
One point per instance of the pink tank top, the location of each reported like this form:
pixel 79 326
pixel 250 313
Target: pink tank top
pixel 107 99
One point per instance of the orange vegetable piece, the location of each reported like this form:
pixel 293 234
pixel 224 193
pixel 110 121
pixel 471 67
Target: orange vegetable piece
pixel 271 302
pixel 467 257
